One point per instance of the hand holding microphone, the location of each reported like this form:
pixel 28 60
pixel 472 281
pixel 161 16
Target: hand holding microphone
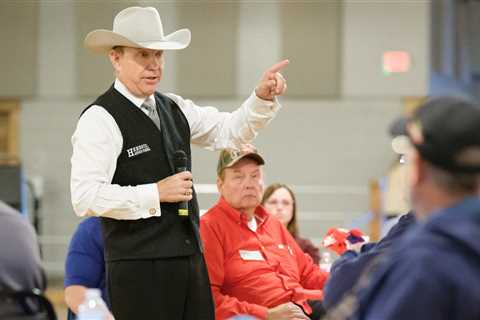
pixel 177 187
pixel 180 167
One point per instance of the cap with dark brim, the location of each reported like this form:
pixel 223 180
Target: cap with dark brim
pixel 445 132
pixel 229 157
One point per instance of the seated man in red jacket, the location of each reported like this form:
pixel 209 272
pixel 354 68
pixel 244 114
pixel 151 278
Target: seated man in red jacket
pixel 255 266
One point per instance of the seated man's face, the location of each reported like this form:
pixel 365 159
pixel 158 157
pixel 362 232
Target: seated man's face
pixel 242 185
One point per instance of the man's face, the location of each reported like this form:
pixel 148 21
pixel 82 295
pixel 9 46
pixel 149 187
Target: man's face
pixel 140 70
pixel 242 185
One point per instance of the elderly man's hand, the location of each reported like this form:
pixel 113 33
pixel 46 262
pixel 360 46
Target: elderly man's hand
pixel 272 82
pixel 286 311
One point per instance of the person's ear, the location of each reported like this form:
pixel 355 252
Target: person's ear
pixel 417 168
pixel 114 56
pixel 219 185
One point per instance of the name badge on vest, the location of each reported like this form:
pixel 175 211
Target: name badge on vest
pixel 135 151
pixel 251 255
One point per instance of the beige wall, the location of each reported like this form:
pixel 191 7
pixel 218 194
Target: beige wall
pixel 311 38
pixel 17 57
pixel 372 27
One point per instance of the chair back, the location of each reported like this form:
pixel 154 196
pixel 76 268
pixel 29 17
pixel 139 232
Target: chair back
pixel 25 305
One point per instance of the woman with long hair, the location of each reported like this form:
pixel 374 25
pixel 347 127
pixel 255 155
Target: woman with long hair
pixel 279 200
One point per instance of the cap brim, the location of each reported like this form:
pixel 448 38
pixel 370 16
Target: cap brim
pixel 398 127
pixel 102 41
pixel 254 156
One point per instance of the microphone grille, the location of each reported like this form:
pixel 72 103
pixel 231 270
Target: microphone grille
pixel 180 158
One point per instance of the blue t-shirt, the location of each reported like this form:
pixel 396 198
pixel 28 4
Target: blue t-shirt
pixel 85 263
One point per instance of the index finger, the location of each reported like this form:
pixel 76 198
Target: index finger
pixel 278 66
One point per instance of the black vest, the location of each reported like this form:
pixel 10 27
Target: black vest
pixel 146 157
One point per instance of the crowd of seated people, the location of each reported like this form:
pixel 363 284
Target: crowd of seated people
pixel 258 266
pixel 292 265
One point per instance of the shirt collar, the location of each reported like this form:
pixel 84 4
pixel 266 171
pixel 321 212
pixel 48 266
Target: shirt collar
pixel 120 87
pixel 240 217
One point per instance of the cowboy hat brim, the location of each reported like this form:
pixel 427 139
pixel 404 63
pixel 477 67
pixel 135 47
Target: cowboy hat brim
pixel 101 41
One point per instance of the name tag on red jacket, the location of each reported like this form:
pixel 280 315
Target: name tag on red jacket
pixel 249 255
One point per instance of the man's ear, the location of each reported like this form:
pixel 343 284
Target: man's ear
pixel 417 169
pixel 219 185
pixel 114 59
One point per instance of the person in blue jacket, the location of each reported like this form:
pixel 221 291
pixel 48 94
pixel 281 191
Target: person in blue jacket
pixel 434 272
pixel 348 268
pixel 85 263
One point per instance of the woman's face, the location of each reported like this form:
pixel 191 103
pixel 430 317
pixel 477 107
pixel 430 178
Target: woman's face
pixel 280 205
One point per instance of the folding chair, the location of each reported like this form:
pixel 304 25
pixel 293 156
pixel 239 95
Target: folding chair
pixel 25 305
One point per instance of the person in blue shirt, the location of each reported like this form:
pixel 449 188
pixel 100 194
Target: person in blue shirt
pixel 434 271
pixel 85 263
pixel 349 267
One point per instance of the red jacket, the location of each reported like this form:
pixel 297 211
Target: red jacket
pixel 253 271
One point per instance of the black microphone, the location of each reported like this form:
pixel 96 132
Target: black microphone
pixel 181 165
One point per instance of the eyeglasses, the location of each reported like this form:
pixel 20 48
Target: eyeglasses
pixel 279 202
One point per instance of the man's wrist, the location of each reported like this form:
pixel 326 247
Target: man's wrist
pixel 261 97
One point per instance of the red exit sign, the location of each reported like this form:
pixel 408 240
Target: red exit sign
pixel 396 62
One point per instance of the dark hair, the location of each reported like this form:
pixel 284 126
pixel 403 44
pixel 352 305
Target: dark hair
pixel 292 226
pixel 118 49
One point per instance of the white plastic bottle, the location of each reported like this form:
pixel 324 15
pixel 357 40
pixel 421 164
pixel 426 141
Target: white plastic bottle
pixel 93 307
pixel 326 261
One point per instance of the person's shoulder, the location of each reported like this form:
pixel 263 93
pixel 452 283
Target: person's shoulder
pixel 212 216
pixel 305 243
pixel 272 222
pixel 440 250
pixel 424 238
pixel 89 223
pixel 179 100
pixel 87 236
pixel 97 103
pixel 89 227
pixel 14 217
pixel 7 211
pixel 405 226
pixel 421 271
pixel 95 111
pixel 423 251
pixel 95 118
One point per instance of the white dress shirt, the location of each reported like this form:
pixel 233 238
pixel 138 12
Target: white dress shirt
pixel 97 143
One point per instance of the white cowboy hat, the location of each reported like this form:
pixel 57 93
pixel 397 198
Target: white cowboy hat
pixel 137 27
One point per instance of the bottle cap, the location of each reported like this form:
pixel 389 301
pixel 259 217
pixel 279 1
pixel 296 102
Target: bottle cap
pixel 92 293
